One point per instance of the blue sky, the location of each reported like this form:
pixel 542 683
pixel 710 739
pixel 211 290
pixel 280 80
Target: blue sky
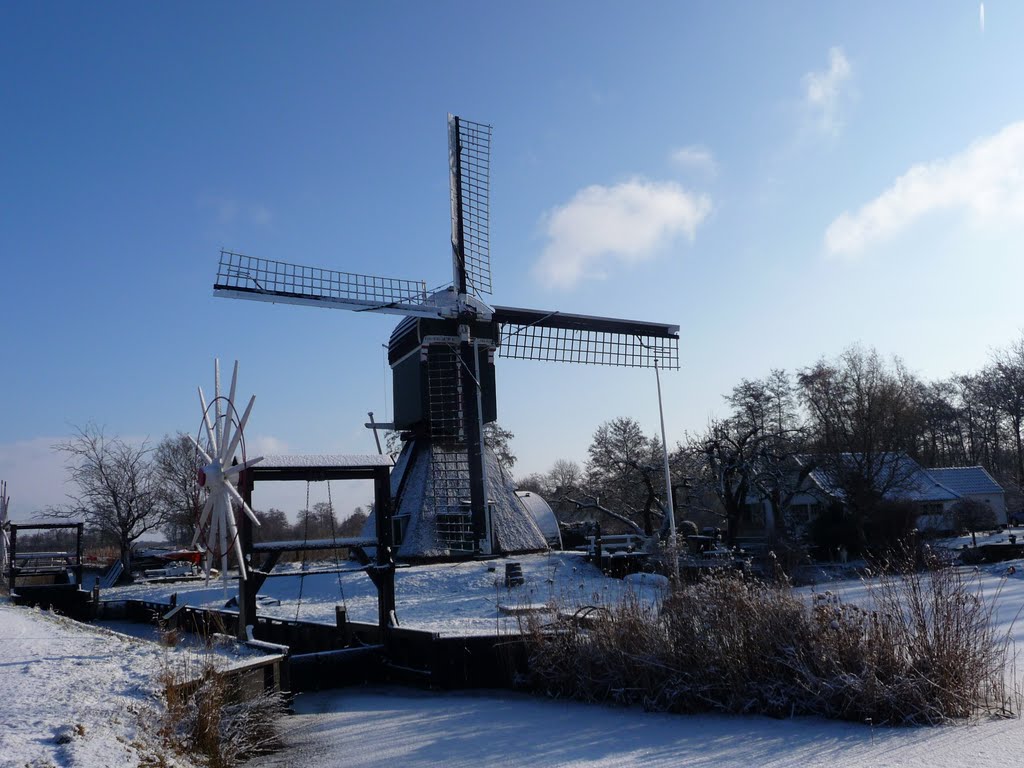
pixel 780 179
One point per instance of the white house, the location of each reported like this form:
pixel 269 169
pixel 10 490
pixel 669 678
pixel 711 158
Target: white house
pixel 933 492
pixel 973 483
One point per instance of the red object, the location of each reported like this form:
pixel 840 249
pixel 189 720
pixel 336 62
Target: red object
pixel 187 555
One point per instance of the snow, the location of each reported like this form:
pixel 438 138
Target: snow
pixel 90 688
pixel 384 725
pixel 324 461
pixel 83 695
pixel 392 726
pixel 450 598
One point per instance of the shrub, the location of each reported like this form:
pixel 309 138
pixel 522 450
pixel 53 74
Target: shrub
pixel 923 652
pixel 206 714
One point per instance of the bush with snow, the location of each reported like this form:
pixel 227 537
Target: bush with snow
pixel 922 651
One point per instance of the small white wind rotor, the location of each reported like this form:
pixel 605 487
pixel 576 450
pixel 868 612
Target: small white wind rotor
pixel 5 542
pixel 217 530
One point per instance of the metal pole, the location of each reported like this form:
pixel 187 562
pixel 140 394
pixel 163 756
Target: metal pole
pixel 375 437
pixel 672 549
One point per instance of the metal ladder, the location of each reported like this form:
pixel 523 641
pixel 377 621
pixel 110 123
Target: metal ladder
pixel 449 460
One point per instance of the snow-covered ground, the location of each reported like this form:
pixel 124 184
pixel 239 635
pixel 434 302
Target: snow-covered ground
pixel 378 726
pixel 73 694
pixel 451 598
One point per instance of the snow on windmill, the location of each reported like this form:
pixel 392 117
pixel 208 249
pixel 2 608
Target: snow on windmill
pixel 219 445
pixel 452 498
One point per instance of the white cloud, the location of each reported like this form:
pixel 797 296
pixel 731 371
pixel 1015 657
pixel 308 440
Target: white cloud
pixel 626 223
pixel 985 181
pixel 695 157
pixel 260 445
pixel 823 92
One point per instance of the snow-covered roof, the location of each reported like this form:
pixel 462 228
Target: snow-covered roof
pixel 966 481
pixel 323 460
pixel 543 515
pixel 907 480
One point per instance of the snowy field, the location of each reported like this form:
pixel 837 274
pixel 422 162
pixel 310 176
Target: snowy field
pixel 451 598
pixel 78 695
pixel 60 674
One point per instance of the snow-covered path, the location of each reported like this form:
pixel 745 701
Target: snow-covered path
pixel 397 726
pixel 75 695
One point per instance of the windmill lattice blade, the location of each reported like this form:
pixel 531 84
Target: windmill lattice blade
pixel 222 531
pixel 226 455
pixel 206 457
pixel 238 468
pixel 217 424
pixel 230 452
pixel 235 544
pixel 247 277
pixel 245 507
pixel 530 334
pixel 207 424
pixel 203 519
pixel 469 160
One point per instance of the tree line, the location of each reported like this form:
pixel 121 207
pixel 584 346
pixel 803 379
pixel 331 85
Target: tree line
pixel 124 490
pixel 848 416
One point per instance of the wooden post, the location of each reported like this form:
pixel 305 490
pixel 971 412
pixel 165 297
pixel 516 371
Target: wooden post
pixel 246 590
pixel 385 566
pixel 78 562
pixel 10 557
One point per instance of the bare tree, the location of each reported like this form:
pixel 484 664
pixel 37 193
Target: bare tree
pixel 565 476
pixel 535 482
pixel 353 524
pixel 973 516
pixel 625 470
pixel 1008 370
pixel 118 493
pixel 499 440
pixel 863 414
pixel 176 467
pixel 730 452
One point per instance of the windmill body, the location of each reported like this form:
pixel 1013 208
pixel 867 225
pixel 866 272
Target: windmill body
pixel 451 496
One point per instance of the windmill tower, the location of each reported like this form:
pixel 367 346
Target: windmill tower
pixel 451 496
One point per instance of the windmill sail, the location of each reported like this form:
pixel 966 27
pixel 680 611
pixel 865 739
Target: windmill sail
pixel 249 277
pixel 469 166
pixel 533 334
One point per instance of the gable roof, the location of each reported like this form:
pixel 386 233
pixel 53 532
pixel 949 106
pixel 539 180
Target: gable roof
pixel 966 481
pixel 915 484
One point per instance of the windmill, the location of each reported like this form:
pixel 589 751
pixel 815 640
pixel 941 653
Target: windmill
pixel 216 529
pixel 451 496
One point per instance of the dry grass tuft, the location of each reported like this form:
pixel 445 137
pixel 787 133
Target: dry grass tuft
pixel 923 652
pixel 208 717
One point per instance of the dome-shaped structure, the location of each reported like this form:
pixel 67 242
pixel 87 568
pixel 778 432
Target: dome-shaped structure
pixel 543 516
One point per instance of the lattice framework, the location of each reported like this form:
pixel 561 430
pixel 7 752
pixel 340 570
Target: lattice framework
pixel 576 345
pixel 474 185
pixel 237 271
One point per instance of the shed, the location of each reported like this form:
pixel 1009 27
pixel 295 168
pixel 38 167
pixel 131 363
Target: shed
pixel 544 516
